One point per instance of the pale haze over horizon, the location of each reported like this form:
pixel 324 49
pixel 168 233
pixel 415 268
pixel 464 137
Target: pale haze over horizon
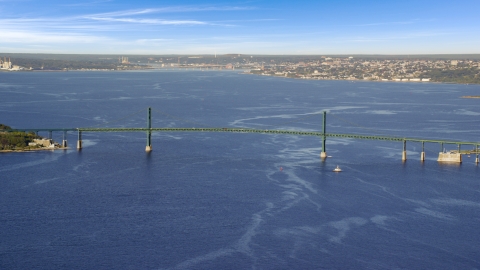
pixel 246 27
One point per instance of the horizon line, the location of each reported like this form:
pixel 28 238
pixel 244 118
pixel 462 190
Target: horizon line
pixel 243 54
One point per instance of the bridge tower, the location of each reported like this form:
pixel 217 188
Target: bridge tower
pixel 323 155
pixel 148 148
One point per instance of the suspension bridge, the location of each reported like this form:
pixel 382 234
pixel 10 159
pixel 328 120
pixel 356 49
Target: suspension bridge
pixel 452 156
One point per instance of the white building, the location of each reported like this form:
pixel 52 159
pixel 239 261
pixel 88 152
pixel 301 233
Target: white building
pixel 5 64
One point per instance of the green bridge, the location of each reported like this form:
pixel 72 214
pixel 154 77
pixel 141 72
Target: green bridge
pixel 323 135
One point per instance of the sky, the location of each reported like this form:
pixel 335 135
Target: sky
pixel 315 27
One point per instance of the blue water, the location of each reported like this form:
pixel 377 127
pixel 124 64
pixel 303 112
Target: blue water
pixel 220 200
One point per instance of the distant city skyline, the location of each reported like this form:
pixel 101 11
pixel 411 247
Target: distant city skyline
pixel 243 27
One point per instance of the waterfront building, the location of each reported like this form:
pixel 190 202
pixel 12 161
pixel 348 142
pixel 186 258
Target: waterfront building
pixel 5 64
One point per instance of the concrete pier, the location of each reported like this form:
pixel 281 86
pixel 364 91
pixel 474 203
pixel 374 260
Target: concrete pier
pixel 476 152
pixel 449 157
pixel 422 155
pixel 64 142
pixel 404 152
pixel 79 142
pixel 323 155
pixel 148 148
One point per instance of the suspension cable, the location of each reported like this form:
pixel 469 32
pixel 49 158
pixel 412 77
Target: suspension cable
pixel 375 130
pixel 119 119
pixel 179 118
pixel 357 125
pixel 294 121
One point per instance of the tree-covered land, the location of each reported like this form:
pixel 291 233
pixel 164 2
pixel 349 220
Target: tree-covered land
pixel 464 75
pixel 49 64
pixel 62 65
pixel 15 140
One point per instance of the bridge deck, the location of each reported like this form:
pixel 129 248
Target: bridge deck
pixel 263 131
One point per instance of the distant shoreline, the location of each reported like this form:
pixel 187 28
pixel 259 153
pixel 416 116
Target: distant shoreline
pixel 245 72
pixel 361 81
pixel 33 150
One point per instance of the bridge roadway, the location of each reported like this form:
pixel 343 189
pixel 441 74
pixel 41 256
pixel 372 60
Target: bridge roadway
pixel 263 131
pixel 268 131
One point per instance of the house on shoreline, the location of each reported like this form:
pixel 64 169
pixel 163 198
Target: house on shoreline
pixel 7 65
pixel 43 143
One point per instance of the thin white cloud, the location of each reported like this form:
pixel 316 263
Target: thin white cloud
pixel 173 9
pixel 149 21
pixel 152 40
pixel 54 24
pixel 29 37
pixel 93 3
pixel 127 16
pixel 124 13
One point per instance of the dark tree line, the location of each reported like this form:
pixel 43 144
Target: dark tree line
pixel 49 64
pixel 464 75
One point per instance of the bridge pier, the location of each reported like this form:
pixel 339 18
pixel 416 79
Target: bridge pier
pixel 148 148
pixel 64 142
pixel 476 151
pixel 422 155
pixel 323 154
pixel 79 142
pixel 404 152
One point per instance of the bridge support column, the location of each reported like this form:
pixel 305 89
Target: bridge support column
pixel 422 155
pixel 476 151
pixel 323 155
pixel 79 142
pixel 148 148
pixel 404 153
pixel 64 142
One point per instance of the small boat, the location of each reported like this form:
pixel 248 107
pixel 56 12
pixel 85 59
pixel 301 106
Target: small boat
pixel 337 169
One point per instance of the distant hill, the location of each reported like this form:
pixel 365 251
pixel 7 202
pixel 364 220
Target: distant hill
pixel 113 58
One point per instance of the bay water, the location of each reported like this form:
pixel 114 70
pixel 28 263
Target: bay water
pixel 237 201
